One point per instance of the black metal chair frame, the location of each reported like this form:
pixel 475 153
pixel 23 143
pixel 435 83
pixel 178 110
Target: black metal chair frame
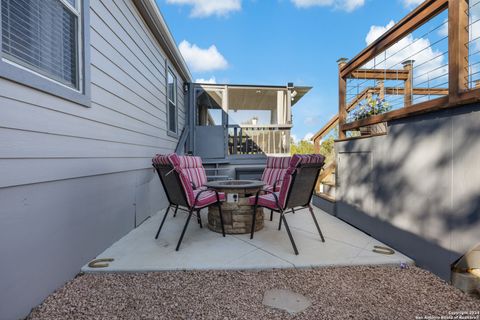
pixel 182 203
pixel 275 188
pixel 291 209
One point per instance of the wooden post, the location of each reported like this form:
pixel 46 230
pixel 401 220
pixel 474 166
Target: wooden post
pixel 408 66
pixel 316 145
pixel 457 49
pixel 381 87
pixel 235 140
pixel 342 99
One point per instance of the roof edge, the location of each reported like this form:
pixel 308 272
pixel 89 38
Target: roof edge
pixel 273 86
pixel 153 17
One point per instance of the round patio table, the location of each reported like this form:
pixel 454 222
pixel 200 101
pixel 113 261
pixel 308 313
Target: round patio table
pixel 237 213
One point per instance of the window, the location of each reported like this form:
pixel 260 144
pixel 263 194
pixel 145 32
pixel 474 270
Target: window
pixel 172 101
pixel 44 38
pixel 209 107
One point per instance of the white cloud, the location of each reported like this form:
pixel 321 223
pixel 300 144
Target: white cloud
pixel 308 136
pixel 429 61
pixel 443 31
pixel 474 46
pixel 206 8
pixel 474 28
pixel 212 80
pixel 202 60
pixel 311 120
pixel 376 31
pixel 412 3
pixel 347 5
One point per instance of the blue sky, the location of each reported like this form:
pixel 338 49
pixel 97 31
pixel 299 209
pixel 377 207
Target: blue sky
pixel 279 41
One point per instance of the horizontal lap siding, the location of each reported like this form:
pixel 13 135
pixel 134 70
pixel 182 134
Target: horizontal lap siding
pixel 73 179
pixel 126 124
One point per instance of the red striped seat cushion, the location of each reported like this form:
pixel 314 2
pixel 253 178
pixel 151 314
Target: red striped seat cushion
pixel 267 201
pixel 207 198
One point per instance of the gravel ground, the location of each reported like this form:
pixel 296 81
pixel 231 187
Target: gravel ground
pixel 336 293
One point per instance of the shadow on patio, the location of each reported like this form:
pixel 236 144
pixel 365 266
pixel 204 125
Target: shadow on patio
pixel 203 249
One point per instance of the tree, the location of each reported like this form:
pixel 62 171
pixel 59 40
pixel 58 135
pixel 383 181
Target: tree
pixel 302 147
pixel 327 149
pixel 307 147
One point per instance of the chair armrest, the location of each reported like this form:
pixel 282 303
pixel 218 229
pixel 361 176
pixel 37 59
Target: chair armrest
pixel 267 191
pixel 275 184
pixel 208 189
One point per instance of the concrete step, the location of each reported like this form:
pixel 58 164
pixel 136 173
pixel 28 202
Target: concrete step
pixel 210 178
pixel 328 189
pixel 215 161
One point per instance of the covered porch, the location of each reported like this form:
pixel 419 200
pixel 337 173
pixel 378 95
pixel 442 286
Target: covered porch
pixel 241 121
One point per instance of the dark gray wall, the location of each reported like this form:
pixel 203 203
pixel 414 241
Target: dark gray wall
pixel 73 180
pixel 417 188
pixel 324 204
pixel 49 230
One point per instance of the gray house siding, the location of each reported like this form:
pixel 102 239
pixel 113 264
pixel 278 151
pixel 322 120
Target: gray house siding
pixel 73 179
pixel 417 188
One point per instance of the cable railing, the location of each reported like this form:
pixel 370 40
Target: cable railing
pixel 413 69
pixel 428 61
pixel 473 79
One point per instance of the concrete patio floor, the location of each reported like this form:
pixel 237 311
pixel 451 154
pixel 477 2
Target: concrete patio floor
pixel 203 249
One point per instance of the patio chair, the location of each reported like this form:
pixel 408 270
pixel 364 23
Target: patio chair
pixel 195 172
pixel 273 174
pixel 173 171
pixel 295 192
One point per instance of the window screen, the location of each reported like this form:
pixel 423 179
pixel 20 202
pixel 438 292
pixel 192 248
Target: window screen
pixel 172 122
pixel 42 35
pixel 172 101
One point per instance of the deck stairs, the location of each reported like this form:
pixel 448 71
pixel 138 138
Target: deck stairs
pixel 327 185
pixel 216 169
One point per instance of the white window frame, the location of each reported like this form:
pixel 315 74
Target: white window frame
pixel 27 75
pixel 175 102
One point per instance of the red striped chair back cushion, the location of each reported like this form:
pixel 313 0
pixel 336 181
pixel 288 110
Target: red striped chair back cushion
pixel 275 170
pixel 295 162
pixel 194 170
pixel 176 162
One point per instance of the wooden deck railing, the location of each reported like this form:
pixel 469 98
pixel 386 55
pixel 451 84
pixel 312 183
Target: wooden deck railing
pixel 325 176
pixel 457 89
pixel 452 83
pixel 250 139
